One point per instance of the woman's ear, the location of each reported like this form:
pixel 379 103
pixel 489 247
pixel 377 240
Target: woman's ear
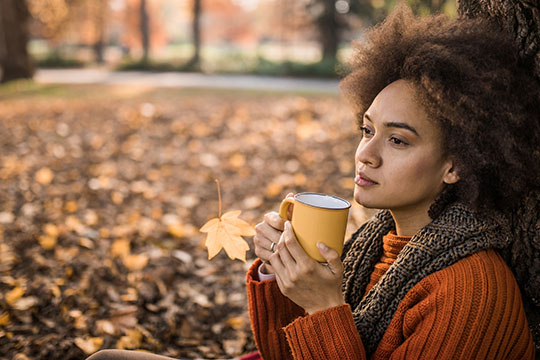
pixel 451 175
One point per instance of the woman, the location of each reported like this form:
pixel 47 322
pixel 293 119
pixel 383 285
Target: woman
pixel 449 123
pixel 449 148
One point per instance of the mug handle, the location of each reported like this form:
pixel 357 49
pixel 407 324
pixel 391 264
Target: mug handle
pixel 284 207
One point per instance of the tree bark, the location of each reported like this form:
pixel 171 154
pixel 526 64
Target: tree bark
pixel 521 18
pixel 328 29
pixel 196 30
pixel 99 44
pixel 15 61
pixel 145 35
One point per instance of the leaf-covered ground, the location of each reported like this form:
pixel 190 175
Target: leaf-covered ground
pixel 103 190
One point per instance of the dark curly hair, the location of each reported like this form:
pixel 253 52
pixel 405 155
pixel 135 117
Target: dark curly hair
pixel 469 78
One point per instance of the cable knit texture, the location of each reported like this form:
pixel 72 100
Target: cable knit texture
pixel 470 308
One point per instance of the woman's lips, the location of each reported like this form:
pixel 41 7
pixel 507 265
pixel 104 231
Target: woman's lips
pixel 362 180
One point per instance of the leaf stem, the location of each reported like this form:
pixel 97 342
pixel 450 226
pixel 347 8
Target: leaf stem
pixel 219 196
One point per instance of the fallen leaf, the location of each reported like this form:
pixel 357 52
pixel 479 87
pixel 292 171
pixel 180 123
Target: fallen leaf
pixel 4 319
pixel 105 327
pixel 135 262
pixel 13 295
pixel 131 340
pixel 120 247
pixel 89 344
pixel 236 322
pixel 44 176
pixel 51 230
pixel 176 230
pixel 71 206
pixel 6 217
pixel 47 242
pixel 25 303
pixel 273 189
pixel 20 356
pixel 226 232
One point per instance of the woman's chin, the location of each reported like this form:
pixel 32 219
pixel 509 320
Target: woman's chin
pixel 361 200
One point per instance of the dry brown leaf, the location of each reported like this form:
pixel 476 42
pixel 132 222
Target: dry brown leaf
pixel 120 247
pixel 89 344
pixel 135 262
pixel 273 189
pixel 176 230
pixel 13 295
pixel 71 206
pixel 51 230
pixel 44 176
pixel 236 322
pixel 4 319
pixel 132 340
pixel 105 327
pixel 226 232
pixel 47 242
pixel 25 303
pixel 237 160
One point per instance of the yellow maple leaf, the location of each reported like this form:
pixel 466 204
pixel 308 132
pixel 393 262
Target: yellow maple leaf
pixel 226 232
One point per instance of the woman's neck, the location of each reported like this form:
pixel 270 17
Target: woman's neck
pixel 409 222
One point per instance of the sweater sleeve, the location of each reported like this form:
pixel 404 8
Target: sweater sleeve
pixel 326 335
pixel 269 311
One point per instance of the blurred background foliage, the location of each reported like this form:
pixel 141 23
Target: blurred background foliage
pixel 270 37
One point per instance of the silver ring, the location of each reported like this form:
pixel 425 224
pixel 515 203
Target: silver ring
pixel 273 247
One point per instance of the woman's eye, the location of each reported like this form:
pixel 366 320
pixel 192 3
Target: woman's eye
pixel 365 131
pixel 397 141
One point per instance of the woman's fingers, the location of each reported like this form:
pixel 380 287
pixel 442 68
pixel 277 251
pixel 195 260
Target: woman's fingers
pixel 274 220
pixel 294 247
pixel 265 236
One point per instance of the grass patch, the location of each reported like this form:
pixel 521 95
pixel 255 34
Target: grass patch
pixel 326 68
pixel 55 60
pixel 157 66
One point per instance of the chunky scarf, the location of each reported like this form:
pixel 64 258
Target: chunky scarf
pixel 454 235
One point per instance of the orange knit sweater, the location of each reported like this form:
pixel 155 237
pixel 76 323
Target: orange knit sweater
pixel 469 310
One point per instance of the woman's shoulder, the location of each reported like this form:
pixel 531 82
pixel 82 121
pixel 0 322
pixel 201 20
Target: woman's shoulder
pixel 481 279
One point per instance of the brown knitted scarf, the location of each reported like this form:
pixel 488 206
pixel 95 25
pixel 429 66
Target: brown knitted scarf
pixel 454 235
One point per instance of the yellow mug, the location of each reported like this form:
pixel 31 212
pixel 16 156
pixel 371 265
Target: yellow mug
pixel 317 218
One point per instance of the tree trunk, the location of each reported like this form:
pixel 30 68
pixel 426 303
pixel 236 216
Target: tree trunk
pixel 521 18
pixel 145 36
pixel 15 62
pixel 193 63
pixel 328 29
pixel 100 31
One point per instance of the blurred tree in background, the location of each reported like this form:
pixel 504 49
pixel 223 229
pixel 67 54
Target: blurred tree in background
pixel 311 37
pixel 193 63
pixel 15 61
pixel 145 36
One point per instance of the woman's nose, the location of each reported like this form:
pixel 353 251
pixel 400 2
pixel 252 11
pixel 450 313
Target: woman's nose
pixel 368 153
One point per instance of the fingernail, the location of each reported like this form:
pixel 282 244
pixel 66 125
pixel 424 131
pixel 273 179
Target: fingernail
pixel 322 246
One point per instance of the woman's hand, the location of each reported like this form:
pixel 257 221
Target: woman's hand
pixel 267 235
pixel 308 283
pixel 269 232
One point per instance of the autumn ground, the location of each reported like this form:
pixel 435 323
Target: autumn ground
pixel 103 190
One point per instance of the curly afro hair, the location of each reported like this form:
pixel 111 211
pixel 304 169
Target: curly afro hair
pixel 468 76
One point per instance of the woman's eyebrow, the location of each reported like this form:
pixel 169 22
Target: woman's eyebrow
pixel 396 124
pixel 402 126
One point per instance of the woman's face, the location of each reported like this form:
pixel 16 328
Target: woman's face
pixel 399 161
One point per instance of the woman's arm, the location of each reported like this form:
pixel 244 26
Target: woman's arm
pixel 269 312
